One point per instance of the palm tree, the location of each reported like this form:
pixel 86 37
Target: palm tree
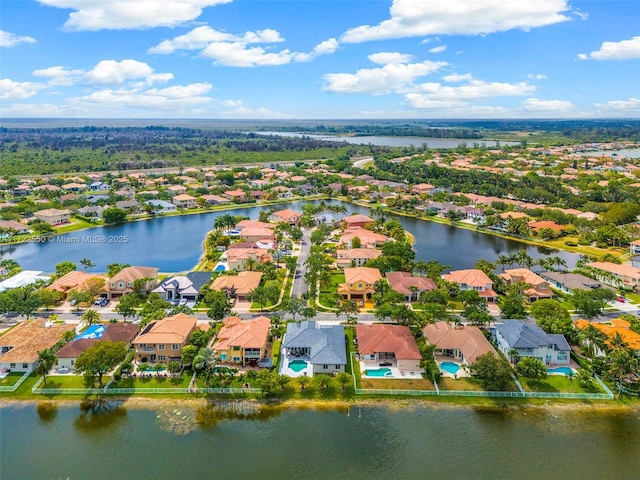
pixel 204 364
pixel 304 382
pixel 503 260
pixel 620 364
pixel 617 342
pixel 347 308
pixel 47 360
pixel 514 355
pixel 343 379
pixel 91 316
pixel 87 263
pixel 559 262
pixel 592 338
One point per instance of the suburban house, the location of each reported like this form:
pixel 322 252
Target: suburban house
pixel 99 186
pixel 178 287
pixel 162 206
pixel 568 282
pixel 538 288
pixel 529 340
pixel 285 216
pixel 282 192
pixel 91 211
pixel 242 342
pixel 13 227
pixel 19 347
pixel 215 200
pixel 473 279
pixel 241 259
pixel 634 247
pixel 237 286
pixel 112 332
pixel 617 276
pixel 53 216
pixel 359 283
pixel 184 201
pixel 321 347
pixel 388 345
pixel 356 257
pixel 368 239
pixel 237 195
pixel 122 282
pixel 162 341
pixel 357 220
pixel 462 343
pixel 610 329
pixel 422 188
pixel 408 285
pixel 20 279
pixel 255 233
pixel 76 280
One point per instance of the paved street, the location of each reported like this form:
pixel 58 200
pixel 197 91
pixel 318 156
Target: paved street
pixel 300 286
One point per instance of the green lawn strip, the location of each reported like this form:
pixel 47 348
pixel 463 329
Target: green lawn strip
pixel 76 224
pixel 71 381
pixel 154 382
pixel 275 352
pixel 469 383
pixel 328 293
pixel 397 384
pixel 11 379
pixel 556 383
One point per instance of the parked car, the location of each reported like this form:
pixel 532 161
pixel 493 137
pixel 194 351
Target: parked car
pixel 183 301
pixel 105 302
pixel 621 299
pixel 73 302
pixel 98 301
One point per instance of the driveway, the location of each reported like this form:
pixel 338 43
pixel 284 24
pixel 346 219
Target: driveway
pixel 300 286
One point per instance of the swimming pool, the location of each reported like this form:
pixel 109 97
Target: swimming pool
pixel 297 365
pixel 220 268
pixel 560 370
pixel 450 367
pixel 378 372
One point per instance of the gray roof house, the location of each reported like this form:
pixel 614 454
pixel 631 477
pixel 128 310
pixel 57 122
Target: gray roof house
pixel 309 348
pixel 529 340
pixel 180 287
pixel 567 282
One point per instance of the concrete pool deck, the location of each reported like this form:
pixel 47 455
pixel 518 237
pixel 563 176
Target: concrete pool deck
pixel 395 371
pixel 285 368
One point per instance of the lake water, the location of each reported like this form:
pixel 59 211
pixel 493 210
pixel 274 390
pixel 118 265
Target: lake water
pixel 393 141
pixel 174 244
pixel 625 153
pixel 373 442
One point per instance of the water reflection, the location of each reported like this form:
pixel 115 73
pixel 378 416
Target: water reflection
pixel 99 414
pixel 47 411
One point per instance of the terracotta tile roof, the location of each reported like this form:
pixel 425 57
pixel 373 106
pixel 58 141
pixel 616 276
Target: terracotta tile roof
pixel 471 277
pixel 525 275
pixel 612 327
pixel 357 253
pixel 402 282
pixel 75 280
pixel 174 330
pixel 469 340
pixel 365 236
pixel 623 270
pixel 286 213
pixel 129 274
pixel 362 274
pixel 243 283
pixel 76 348
pixel 29 337
pixel 254 223
pixel 357 218
pixel 380 338
pixel 236 332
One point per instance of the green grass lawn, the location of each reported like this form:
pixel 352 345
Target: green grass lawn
pixel 328 293
pixel 71 381
pixel 468 383
pixel 11 379
pixel 154 382
pixel 556 383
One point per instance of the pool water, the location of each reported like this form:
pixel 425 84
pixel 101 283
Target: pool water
pixel 450 367
pixel 560 370
pixel 219 268
pixel 297 365
pixel 378 372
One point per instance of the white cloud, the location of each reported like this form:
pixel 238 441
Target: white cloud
pixel 434 95
pixel 105 72
pixel 385 58
pixel 548 106
pixel 455 77
pixel 418 18
pixel 240 50
pixel 438 49
pixel 59 76
pixel 389 78
pixel 10 90
pixel 623 50
pixel 11 40
pixel 538 76
pixel 616 108
pixel 130 14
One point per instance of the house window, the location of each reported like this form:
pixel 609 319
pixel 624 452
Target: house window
pixel 113 285
pixel 12 365
pixel 235 347
pixel 121 285
pixel 25 365
pixel 161 346
pixel 337 367
pixel 236 359
pixel 161 358
pixel 129 284
pixel 325 367
pixel 359 285
pixel 73 362
pixel 175 347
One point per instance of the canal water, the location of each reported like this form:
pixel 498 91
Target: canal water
pixel 372 442
pixel 174 244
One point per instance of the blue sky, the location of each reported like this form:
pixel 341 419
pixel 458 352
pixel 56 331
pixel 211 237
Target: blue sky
pixel 320 59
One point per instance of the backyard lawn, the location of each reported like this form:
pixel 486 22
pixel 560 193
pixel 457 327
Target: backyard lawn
pixel 397 384
pixel 557 383
pixel 11 379
pixel 328 293
pixel 71 381
pixel 468 383
pixel 154 382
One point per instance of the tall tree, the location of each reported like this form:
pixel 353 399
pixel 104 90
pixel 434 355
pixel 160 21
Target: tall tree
pixel 101 358
pixel 46 361
pixel 91 316
pixel 87 263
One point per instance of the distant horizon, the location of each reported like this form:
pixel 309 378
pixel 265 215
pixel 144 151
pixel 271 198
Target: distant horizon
pixel 289 60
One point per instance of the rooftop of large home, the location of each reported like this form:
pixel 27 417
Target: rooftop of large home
pixel 520 334
pixel 471 277
pixel 242 283
pixel 613 327
pixel 169 330
pixel 22 343
pixel 381 338
pixel 361 274
pixel 326 343
pixel 112 332
pixel 236 332
pixel 74 280
pixel 469 340
pixel 404 282
pixel 129 274
pixel 622 270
